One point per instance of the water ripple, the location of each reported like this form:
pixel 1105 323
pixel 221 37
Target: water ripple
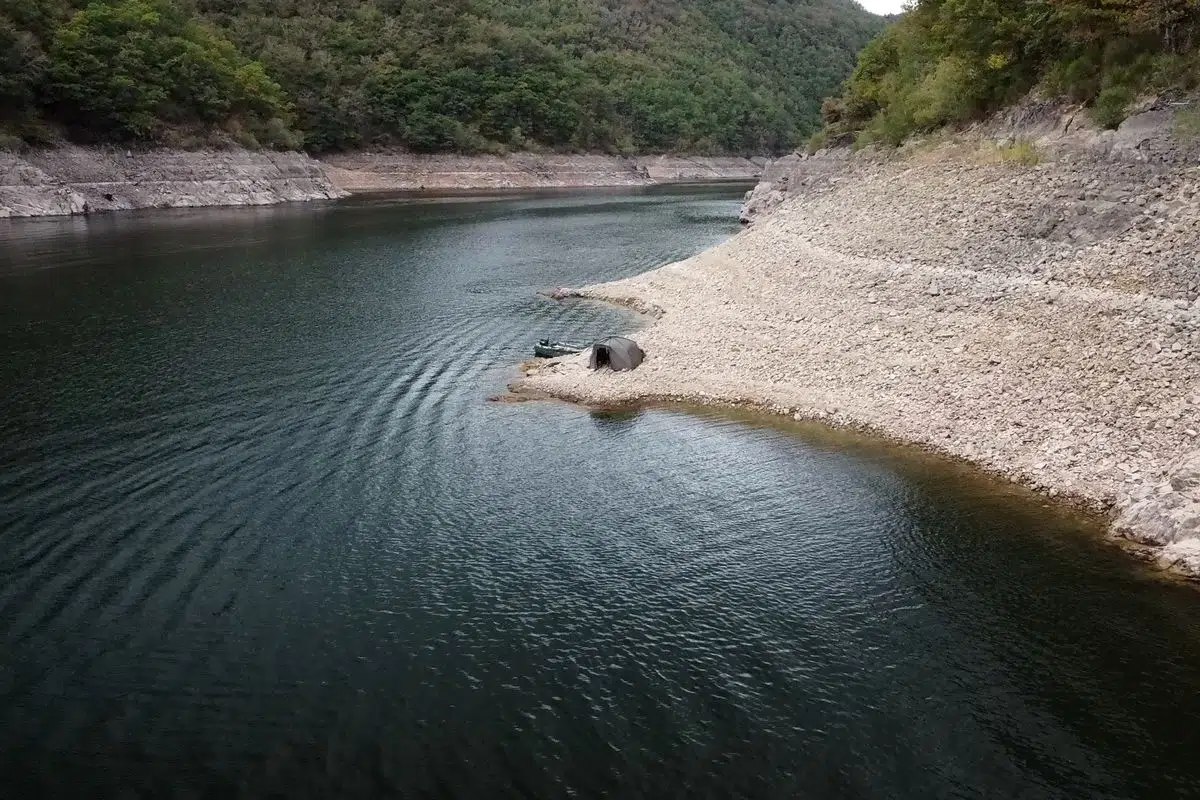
pixel 262 534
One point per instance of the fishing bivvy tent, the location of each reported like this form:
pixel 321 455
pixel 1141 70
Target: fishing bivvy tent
pixel 617 353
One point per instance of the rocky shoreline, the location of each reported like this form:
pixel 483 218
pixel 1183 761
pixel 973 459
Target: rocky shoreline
pixel 1040 320
pixel 391 171
pixel 84 180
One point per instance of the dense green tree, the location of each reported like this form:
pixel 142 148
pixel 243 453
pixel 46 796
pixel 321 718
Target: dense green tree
pixel 125 69
pixel 952 61
pixel 20 70
pixel 617 75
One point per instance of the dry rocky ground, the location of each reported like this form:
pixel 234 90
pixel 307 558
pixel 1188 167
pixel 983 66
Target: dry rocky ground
pixel 1041 320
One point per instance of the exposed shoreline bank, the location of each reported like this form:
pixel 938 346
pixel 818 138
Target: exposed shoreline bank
pixel 85 180
pixel 1039 321
pixel 386 172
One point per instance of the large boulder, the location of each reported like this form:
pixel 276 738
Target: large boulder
pixel 788 176
pixel 1167 514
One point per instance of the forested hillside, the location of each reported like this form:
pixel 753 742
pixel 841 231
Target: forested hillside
pixel 951 61
pixel 744 76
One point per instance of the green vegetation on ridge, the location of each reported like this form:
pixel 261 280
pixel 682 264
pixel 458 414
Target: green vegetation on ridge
pixel 743 76
pixel 947 62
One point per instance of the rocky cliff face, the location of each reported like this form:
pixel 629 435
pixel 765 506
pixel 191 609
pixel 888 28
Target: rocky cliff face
pixel 82 180
pixel 787 174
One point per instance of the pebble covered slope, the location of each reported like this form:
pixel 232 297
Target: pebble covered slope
pixel 1039 320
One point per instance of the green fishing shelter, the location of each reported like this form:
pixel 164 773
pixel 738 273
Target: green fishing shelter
pixel 617 353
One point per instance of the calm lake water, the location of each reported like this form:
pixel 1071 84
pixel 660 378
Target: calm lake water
pixel 262 535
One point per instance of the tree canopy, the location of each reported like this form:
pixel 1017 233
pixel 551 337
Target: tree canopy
pixel 431 75
pixel 950 61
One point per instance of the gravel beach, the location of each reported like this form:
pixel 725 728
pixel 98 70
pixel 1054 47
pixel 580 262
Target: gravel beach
pixel 1039 320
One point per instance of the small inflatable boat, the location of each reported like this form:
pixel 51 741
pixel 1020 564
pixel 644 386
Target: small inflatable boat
pixel 548 349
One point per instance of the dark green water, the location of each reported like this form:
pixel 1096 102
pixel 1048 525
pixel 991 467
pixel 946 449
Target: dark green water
pixel 263 536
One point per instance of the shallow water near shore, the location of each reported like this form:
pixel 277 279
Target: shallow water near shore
pixel 263 534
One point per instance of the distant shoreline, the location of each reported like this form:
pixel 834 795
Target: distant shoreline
pixel 74 180
pixel 374 172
